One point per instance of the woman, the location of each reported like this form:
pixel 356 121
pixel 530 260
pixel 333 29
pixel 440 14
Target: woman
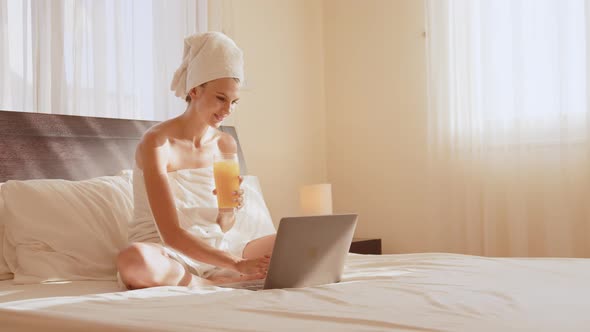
pixel 165 252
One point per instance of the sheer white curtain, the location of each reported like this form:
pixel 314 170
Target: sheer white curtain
pixel 509 126
pixel 105 58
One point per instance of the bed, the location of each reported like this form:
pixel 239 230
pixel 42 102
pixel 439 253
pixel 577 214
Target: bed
pixel 406 292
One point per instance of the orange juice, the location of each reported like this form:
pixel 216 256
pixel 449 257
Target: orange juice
pixel 226 171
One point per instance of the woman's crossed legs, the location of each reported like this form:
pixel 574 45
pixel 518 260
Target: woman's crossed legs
pixel 143 265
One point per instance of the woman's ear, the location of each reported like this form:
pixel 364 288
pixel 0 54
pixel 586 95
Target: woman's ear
pixel 193 93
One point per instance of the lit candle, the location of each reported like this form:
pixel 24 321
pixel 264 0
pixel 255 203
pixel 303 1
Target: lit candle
pixel 316 199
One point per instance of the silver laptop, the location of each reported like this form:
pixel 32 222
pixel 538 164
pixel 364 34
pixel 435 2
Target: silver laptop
pixel 308 251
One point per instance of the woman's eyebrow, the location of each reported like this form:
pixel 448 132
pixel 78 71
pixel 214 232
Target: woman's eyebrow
pixel 223 94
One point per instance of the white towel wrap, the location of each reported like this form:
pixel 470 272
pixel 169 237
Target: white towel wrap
pixel 206 57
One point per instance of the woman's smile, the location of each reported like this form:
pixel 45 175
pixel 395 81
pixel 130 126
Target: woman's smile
pixel 219 118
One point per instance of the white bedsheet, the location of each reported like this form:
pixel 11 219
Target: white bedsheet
pixel 9 293
pixel 416 292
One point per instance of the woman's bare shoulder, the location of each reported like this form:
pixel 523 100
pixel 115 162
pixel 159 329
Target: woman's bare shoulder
pixel 154 144
pixel 226 143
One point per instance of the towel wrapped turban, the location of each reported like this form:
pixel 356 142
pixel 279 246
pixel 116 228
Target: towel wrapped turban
pixel 206 57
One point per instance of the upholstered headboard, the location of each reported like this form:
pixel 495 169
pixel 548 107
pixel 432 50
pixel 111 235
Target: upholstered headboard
pixel 52 146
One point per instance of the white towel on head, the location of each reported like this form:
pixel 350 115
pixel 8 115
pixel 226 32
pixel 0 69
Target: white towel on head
pixel 206 57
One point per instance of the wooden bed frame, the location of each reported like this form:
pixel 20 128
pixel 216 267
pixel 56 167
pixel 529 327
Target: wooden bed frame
pixel 53 146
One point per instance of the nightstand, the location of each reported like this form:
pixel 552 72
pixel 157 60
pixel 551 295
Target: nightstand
pixel 365 246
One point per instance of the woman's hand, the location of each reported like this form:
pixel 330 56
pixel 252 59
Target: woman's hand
pixel 226 216
pixel 238 196
pixel 253 266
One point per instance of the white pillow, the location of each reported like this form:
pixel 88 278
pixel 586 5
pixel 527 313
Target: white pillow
pixel 4 269
pixel 66 230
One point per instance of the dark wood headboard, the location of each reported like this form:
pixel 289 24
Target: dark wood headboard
pixel 53 146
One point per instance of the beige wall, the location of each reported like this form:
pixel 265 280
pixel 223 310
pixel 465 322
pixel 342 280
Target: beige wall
pixel 281 117
pixel 376 117
pixel 336 91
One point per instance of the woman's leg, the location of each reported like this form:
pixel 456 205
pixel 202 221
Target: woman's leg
pixel 143 265
pixel 259 247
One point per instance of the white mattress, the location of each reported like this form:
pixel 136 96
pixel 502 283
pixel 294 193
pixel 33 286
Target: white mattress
pixel 416 292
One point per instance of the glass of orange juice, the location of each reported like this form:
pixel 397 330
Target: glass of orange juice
pixel 226 171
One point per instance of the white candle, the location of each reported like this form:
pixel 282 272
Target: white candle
pixel 316 199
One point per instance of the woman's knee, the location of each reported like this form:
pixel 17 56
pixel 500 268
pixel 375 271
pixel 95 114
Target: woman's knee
pixel 134 266
pixel 259 247
pixel 134 254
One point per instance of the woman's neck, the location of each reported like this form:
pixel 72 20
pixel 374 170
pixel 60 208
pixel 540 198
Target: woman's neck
pixel 193 128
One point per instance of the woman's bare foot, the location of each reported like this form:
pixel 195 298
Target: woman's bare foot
pixel 223 277
pixel 227 279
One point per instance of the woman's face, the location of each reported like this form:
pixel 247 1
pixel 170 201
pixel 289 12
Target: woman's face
pixel 216 100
